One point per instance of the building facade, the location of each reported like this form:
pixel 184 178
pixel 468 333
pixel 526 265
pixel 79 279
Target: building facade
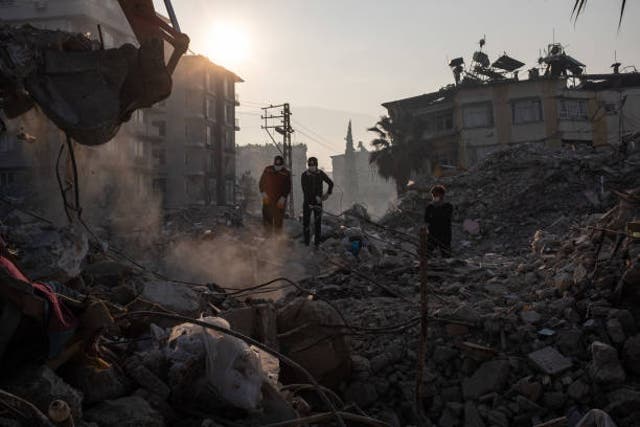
pixel 180 152
pixel 461 124
pixel 357 181
pixel 193 136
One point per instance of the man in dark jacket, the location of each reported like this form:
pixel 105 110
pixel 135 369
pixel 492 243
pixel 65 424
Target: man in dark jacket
pixel 275 186
pixel 437 216
pixel 312 180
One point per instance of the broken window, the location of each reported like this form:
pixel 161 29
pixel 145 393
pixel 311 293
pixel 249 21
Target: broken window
pixel 526 110
pixel 478 115
pixel 573 109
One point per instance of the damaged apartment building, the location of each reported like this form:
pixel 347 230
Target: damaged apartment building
pixel 180 152
pixel 490 107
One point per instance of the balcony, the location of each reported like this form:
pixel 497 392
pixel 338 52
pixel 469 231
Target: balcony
pixel 237 100
pixel 236 124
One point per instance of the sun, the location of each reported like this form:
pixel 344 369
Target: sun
pixel 228 44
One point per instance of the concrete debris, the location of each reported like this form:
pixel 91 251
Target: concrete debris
pixel 534 321
pixel 550 361
pixel 605 366
pixel 132 411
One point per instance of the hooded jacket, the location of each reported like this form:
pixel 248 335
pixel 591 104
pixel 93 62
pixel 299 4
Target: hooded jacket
pixel 275 183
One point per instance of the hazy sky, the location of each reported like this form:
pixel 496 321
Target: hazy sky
pixel 352 55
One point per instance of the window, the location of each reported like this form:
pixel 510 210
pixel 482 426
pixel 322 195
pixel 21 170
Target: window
pixel 211 82
pixel 573 109
pixel 211 108
pixel 208 139
pixel 186 159
pixel 194 131
pixel 6 143
pixel 193 101
pixel 478 115
pixel 526 111
pixel 7 178
pixel 225 87
pixel 138 149
pixel 229 192
pixel 159 157
pixel 159 128
pixel 230 142
pixel 228 116
pixel 194 186
pixel 439 122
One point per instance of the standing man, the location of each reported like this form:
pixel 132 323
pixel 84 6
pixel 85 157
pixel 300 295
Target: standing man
pixel 312 180
pixel 437 216
pixel 275 186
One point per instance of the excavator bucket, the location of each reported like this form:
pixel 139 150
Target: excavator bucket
pixel 88 91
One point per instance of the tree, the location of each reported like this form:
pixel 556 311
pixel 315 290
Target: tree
pixel 580 5
pixel 399 150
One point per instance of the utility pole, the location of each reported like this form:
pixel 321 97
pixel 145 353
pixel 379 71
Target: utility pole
pixel 284 129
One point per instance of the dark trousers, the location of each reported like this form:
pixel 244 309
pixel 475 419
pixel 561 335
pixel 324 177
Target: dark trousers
pixel 442 243
pixel 272 217
pixel 316 208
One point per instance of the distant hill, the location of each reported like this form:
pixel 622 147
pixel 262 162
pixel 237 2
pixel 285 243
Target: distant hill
pixel 322 129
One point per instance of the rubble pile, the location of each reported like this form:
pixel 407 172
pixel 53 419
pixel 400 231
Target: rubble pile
pixel 517 191
pixel 543 336
pixel 520 338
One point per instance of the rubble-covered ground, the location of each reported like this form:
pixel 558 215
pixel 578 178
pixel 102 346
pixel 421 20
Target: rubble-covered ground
pixel 534 322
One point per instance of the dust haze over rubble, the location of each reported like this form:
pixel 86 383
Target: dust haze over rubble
pixel 131 312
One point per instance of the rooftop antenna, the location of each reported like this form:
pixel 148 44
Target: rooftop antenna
pixel 554 36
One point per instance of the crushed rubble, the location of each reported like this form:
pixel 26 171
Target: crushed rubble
pixel 534 322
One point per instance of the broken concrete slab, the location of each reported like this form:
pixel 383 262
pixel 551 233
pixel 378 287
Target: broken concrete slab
pixel 322 350
pixel 132 411
pixel 550 361
pixel 175 297
pixel 605 367
pixel 40 386
pixel 490 376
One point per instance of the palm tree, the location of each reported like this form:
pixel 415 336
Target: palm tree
pixel 398 149
pixel 579 6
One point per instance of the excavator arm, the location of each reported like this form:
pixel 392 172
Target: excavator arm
pixel 147 25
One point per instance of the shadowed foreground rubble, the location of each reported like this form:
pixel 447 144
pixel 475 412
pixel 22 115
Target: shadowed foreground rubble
pixel 533 322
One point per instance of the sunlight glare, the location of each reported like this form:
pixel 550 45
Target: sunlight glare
pixel 228 45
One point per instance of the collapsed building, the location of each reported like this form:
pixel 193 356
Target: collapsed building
pixel 490 107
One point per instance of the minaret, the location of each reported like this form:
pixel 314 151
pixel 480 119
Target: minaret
pixel 351 171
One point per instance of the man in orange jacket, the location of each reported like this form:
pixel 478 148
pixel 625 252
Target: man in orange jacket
pixel 275 186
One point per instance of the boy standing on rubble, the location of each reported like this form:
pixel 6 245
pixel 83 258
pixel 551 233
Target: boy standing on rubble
pixel 437 216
